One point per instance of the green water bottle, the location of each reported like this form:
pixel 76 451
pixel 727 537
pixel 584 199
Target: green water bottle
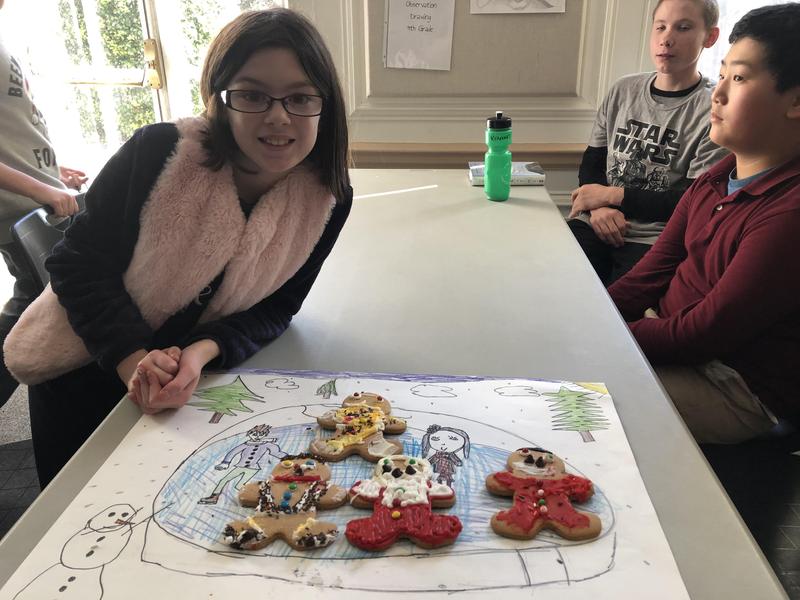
pixel 497 161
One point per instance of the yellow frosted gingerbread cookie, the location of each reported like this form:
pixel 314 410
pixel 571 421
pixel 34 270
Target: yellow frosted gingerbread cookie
pixel 360 425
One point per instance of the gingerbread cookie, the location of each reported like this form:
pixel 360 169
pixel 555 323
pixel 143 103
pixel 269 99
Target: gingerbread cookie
pixel 543 495
pixel 401 495
pixel 360 424
pixel 286 506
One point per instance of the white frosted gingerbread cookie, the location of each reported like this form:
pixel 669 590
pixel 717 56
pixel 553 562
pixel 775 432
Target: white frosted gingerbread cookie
pixel 402 496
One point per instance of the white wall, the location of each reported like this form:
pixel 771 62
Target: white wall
pixel 597 41
pixel 549 72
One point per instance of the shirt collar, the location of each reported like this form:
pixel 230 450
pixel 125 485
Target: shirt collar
pixel 735 184
pixel 719 173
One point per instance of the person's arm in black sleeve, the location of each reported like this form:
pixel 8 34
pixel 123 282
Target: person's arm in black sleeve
pixel 87 266
pixel 593 166
pixel 241 335
pixel 649 205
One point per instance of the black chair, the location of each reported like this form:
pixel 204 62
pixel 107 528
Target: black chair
pixel 36 233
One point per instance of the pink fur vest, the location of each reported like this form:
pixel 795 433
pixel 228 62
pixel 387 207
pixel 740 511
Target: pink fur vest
pixel 191 229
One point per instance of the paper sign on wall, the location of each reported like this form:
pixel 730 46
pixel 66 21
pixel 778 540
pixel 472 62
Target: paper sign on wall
pixel 517 6
pixel 419 34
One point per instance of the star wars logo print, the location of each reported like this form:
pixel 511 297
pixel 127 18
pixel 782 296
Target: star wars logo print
pixel 638 137
pixel 639 148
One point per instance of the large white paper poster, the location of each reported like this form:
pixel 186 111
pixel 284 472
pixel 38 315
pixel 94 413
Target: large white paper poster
pixel 419 34
pixel 150 522
pixel 517 6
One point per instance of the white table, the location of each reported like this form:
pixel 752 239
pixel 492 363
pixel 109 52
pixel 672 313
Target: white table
pixel 439 280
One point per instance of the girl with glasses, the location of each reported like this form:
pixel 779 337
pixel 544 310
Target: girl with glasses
pixel 200 241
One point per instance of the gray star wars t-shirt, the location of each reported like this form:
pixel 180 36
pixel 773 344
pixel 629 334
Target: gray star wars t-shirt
pixel 25 145
pixel 654 142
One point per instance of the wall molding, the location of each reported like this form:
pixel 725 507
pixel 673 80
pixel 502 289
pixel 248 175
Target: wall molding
pixel 382 155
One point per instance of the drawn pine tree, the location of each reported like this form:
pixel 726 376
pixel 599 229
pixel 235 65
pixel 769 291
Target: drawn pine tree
pixel 225 399
pixel 574 411
pixel 326 389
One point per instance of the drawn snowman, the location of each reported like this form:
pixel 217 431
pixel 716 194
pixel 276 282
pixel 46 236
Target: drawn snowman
pixel 79 573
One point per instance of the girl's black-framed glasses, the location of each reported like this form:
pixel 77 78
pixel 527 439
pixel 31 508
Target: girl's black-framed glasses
pixel 254 101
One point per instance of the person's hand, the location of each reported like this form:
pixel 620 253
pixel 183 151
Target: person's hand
pixel 62 202
pixel 193 358
pixel 221 466
pixel 145 373
pixel 144 390
pixel 72 178
pixel 154 394
pixel 126 369
pixel 592 196
pixel 609 224
pixel 163 363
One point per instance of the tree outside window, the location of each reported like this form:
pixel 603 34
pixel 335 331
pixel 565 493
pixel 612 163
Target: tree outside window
pixel 85 61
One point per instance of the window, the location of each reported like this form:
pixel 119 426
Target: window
pixel 184 44
pixel 730 11
pixel 85 60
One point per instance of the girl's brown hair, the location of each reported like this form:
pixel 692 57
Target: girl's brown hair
pixel 277 28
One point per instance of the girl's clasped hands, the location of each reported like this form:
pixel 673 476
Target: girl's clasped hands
pixel 167 378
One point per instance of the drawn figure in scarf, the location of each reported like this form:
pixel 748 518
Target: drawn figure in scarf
pixel 445 444
pixel 251 454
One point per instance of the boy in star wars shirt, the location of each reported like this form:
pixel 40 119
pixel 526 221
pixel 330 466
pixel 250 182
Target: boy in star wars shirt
pixel 29 178
pixel 649 142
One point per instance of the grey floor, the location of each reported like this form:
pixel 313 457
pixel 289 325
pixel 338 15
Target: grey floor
pixel 19 485
pixel 14 423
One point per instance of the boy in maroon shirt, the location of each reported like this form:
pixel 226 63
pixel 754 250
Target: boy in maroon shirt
pixel 715 304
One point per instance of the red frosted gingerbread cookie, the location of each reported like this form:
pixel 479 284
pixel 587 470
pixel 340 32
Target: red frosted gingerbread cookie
pixel 360 425
pixel 402 495
pixel 543 495
pixel 286 507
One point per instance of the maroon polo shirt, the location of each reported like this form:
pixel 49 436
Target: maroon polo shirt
pixel 725 279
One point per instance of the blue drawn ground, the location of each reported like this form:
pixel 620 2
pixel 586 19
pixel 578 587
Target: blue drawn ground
pixel 202 525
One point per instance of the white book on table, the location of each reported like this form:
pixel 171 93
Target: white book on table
pixel 522 173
